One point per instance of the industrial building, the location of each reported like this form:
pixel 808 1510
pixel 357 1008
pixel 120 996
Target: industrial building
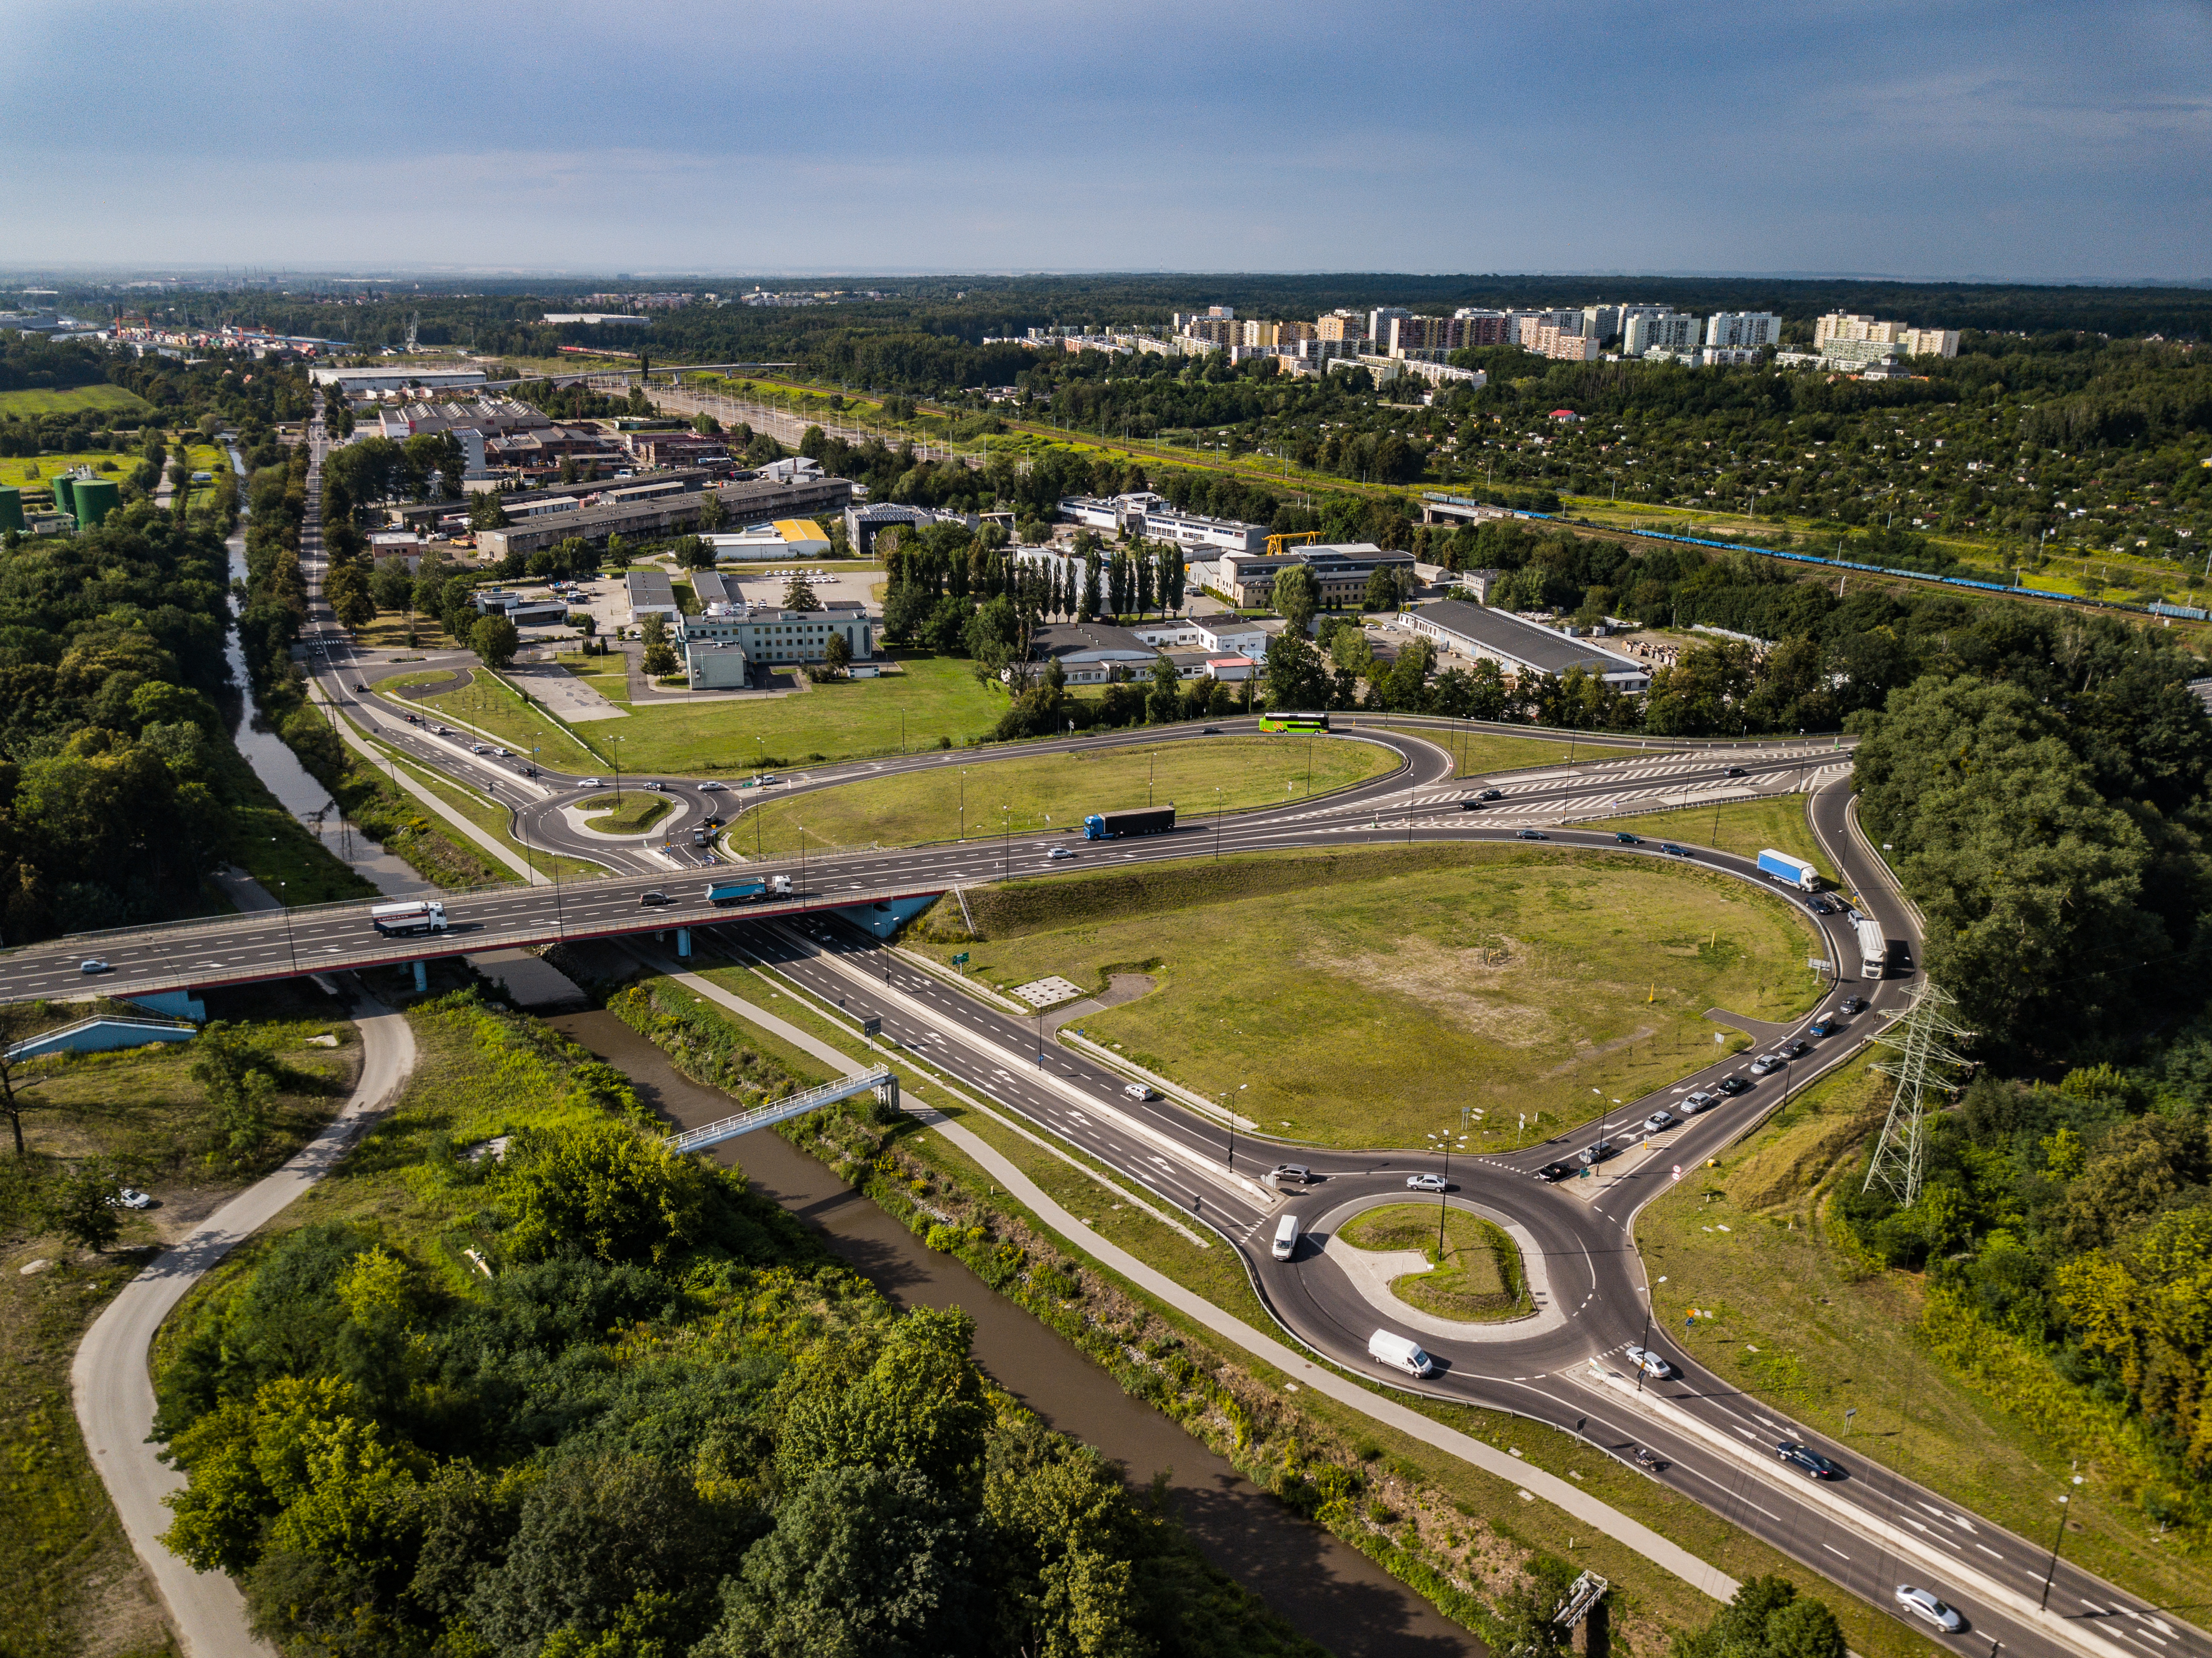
pixel 651 593
pixel 1520 647
pixel 1146 515
pixel 865 521
pixel 428 376
pixel 524 610
pixel 661 516
pixel 786 538
pixel 520 503
pixel 1341 570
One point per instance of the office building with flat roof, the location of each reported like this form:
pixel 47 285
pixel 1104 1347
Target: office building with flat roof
pixel 657 517
pixel 1342 570
pixel 1519 647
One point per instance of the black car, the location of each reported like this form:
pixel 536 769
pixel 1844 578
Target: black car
pixel 1853 1003
pixel 1627 839
pixel 361 688
pixel 1209 731
pixel 1555 1171
pixel 1820 906
pixel 1734 1085
pixel 1736 771
pixel 1531 834
pixel 1492 794
pixel 1805 1457
pixel 1794 1049
pixel 652 898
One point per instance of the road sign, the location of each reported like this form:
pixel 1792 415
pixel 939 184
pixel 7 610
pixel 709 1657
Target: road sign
pixel 961 960
pixel 871 1027
pixel 1678 1171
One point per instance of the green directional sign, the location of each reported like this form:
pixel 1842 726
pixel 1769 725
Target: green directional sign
pixel 961 960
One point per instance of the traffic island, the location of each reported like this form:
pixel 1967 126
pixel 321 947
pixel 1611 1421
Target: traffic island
pixel 622 814
pixel 1488 1285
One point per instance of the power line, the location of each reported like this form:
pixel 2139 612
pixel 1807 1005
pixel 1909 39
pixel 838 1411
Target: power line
pixel 1924 1063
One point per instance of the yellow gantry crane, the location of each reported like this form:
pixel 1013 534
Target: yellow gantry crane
pixel 1276 544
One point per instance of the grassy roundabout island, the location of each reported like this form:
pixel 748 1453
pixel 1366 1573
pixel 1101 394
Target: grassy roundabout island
pixel 1478 1278
pixel 1047 793
pixel 1364 997
pixel 629 813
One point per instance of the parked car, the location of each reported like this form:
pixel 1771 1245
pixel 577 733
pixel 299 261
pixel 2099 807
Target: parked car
pixel 1425 1183
pixel 1694 1104
pixel 1061 854
pixel 1660 1121
pixel 1805 1457
pixel 654 900
pixel 93 964
pixel 1530 835
pixel 1923 1604
pixel 1648 1362
pixel 1139 1091
pixel 1626 839
pixel 1764 1063
pixel 1555 1172
pixel 131 1197
pixel 1733 1085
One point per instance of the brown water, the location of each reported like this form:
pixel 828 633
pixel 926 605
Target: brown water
pixel 1331 1592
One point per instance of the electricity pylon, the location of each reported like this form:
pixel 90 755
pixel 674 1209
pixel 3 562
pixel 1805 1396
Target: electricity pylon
pixel 1922 1064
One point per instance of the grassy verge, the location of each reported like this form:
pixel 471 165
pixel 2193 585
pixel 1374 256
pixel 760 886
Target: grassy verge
pixel 1432 978
pixel 1464 1538
pixel 1476 1276
pixel 608 674
pixel 1743 828
pixel 69 1581
pixel 934 701
pixel 1052 793
pixel 625 814
pixel 274 846
pixel 1477 754
pixel 491 705
pixel 1790 1312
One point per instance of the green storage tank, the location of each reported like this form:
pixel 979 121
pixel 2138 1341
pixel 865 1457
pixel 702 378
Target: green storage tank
pixel 62 503
pixel 11 507
pixel 93 499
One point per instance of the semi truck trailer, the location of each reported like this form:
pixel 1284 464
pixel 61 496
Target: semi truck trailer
pixel 405 920
pixel 738 892
pixel 1873 947
pixel 1113 825
pixel 1795 871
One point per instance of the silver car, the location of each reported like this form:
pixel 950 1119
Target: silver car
pixel 1648 1362
pixel 1923 1603
pixel 1764 1063
pixel 1694 1104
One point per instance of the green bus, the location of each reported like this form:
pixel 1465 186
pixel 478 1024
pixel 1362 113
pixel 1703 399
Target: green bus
pixel 1293 722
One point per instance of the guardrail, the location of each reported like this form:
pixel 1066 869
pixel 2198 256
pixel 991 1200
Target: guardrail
pixel 783 1110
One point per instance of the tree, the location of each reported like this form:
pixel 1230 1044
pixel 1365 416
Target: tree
pixel 798 594
pixel 837 656
pixel 1087 607
pixel 487 511
pixel 693 554
pixel 1295 676
pixel 347 589
pixel 602 1188
pixel 81 1204
pixel 1384 591
pixel 493 638
pixel 1163 706
pixel 618 552
pixel 235 1072
pixel 17 1021
pixel 1298 596
pixel 712 512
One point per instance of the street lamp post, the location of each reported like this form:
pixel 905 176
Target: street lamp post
pixel 1006 845
pixel 2064 1498
pixel 285 904
pixel 1230 1117
pixel 1444 1197
pixel 963 803
pixel 616 741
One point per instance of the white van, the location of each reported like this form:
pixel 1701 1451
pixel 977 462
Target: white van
pixel 1397 1353
pixel 1287 1237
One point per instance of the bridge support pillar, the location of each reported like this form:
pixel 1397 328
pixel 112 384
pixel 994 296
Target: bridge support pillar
pixel 684 943
pixel 422 978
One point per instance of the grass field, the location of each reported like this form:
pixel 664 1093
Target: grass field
pixel 1789 1312
pixel 71 1583
pixel 1740 827
pixel 631 812
pixel 1364 997
pixel 1053 793
pixel 1477 1277
pixel 38 472
pixel 102 399
pixel 608 674
pixel 936 698
pixel 1477 754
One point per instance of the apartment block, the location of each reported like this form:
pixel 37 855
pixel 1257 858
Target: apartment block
pixel 1341 326
pixel 1479 327
pixel 1845 325
pixel 1930 342
pixel 1743 330
pixel 1659 330
pixel 1379 320
pixel 1563 345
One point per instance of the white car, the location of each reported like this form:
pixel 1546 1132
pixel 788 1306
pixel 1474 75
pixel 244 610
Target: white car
pixel 92 964
pixel 1658 1122
pixel 504 754
pixel 479 748
pixel 1061 854
pixel 710 786
pixel 1425 1183
pixel 1923 1603
pixel 593 783
pixel 1648 1362
pixel 1139 1091
pixel 1694 1104
pixel 1764 1063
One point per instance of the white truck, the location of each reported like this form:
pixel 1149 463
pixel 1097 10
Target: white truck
pixel 405 920
pixel 1797 871
pixel 1397 1352
pixel 1873 947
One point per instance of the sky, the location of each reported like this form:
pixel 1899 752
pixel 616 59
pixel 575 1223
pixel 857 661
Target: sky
pixel 2019 140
